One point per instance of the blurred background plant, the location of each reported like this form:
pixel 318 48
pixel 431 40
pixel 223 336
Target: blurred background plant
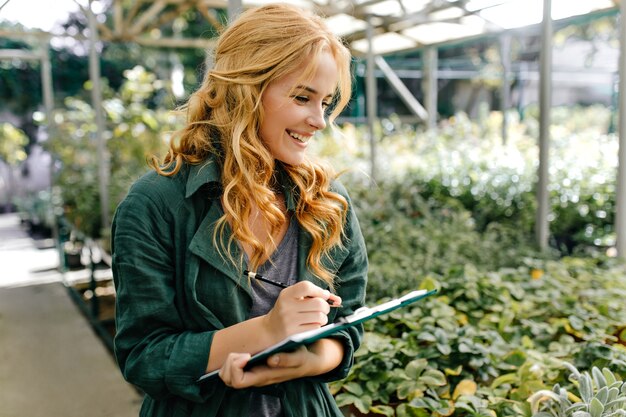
pixel 13 142
pixel 135 129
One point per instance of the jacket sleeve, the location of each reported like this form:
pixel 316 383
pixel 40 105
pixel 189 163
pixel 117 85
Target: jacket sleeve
pixel 153 348
pixel 351 284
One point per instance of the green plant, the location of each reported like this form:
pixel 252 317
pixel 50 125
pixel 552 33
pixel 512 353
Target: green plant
pixel 134 131
pixel 600 394
pixel 504 332
pixel 465 165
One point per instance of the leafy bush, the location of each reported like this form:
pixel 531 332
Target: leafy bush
pixel 490 340
pixel 466 164
pixel 134 130
pixel 409 237
pixel 600 394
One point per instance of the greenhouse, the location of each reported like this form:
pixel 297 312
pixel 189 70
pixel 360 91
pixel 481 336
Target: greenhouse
pixel 480 157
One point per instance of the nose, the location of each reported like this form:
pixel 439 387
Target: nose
pixel 316 118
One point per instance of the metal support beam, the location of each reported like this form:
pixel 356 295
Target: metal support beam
pixel 620 199
pixel 545 104
pixel 46 85
pixel 505 100
pixel 96 102
pixel 48 101
pixel 405 94
pixel 429 85
pixel 371 96
pixel 19 54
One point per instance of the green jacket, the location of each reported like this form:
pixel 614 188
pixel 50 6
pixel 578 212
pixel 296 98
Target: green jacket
pixel 174 290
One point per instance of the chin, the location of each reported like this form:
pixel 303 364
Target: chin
pixel 291 161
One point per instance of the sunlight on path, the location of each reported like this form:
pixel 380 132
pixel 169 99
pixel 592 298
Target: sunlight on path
pixel 22 260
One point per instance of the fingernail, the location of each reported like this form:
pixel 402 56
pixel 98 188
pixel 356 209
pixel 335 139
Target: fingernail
pixel 274 360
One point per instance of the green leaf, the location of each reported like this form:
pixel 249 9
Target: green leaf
pixel 613 393
pixel 596 408
pixel 429 283
pixel 516 358
pixel 427 336
pixel 433 377
pixel 620 402
pixel 383 409
pixel 405 389
pixel 344 399
pixel 586 390
pixel 608 376
pixel 372 386
pixel 353 388
pixel 403 410
pixel 504 379
pixel 602 395
pixel 363 404
pixel 415 368
pixel 598 377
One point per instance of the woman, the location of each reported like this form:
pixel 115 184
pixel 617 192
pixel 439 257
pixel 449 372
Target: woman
pixel 236 192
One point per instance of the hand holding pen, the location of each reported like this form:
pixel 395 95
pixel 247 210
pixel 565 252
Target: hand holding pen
pixel 300 307
pixel 333 300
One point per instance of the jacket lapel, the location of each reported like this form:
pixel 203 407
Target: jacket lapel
pixel 202 245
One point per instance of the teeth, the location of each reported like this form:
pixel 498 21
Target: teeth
pixel 301 138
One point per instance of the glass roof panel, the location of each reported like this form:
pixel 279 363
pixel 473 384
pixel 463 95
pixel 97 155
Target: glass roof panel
pixel 438 32
pixel 417 23
pixel 406 24
pixel 385 8
pixel 445 14
pixel 343 24
pixel 562 9
pixel 514 13
pixel 385 43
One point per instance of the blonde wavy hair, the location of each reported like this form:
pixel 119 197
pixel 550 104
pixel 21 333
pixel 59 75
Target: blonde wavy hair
pixel 223 120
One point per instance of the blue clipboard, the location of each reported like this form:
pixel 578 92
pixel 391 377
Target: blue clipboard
pixel 306 338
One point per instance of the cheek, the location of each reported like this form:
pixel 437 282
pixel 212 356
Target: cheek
pixel 274 122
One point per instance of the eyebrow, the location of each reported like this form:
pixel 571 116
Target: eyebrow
pixel 310 90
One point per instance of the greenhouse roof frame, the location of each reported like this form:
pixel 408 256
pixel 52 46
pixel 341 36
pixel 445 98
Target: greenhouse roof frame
pixel 397 25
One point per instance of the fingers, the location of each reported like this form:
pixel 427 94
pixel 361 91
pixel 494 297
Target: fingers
pixel 334 300
pixel 232 372
pixel 279 368
pixel 306 289
pixel 300 307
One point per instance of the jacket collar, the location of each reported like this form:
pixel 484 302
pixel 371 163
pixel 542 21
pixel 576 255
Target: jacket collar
pixel 200 174
pixel 208 172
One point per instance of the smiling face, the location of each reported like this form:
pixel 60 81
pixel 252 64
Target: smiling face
pixel 295 109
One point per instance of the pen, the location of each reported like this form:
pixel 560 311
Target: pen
pixel 254 275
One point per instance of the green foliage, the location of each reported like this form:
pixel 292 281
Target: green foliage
pixel 20 80
pixel 601 393
pixel 12 144
pixel 490 340
pixel 466 165
pixel 134 131
pixel 409 236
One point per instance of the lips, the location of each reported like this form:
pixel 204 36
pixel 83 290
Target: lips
pixel 299 137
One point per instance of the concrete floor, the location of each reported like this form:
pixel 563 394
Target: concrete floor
pixel 52 363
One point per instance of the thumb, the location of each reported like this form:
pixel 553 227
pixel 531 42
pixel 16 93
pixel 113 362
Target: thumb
pixel 287 360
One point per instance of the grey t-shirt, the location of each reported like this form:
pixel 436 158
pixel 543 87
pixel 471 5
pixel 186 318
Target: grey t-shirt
pixel 282 267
